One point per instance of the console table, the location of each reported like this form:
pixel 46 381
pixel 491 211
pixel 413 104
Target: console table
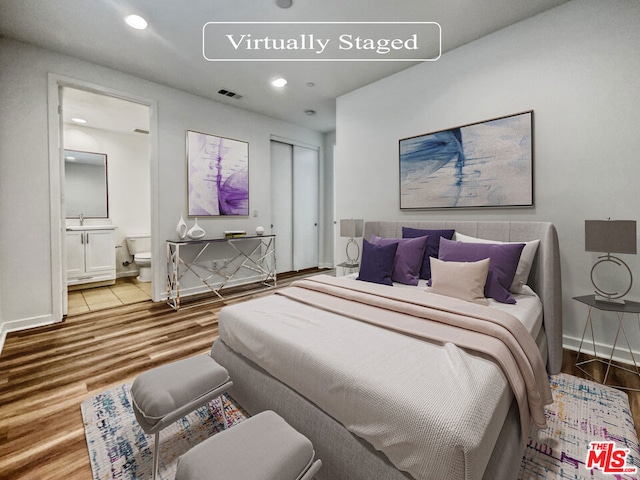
pixel 254 253
pixel 629 307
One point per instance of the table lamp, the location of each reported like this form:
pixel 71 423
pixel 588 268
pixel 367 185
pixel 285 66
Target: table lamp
pixel 352 228
pixel 610 236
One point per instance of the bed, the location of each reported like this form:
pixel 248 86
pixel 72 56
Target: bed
pixel 276 349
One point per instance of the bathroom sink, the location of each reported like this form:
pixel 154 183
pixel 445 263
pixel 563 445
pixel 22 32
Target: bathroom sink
pixel 72 228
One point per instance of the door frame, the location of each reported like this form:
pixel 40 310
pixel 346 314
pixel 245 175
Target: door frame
pixel 57 216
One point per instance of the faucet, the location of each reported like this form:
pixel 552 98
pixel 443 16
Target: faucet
pixel 81 219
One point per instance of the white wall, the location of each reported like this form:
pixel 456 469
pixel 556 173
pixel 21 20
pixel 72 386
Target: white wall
pixel 128 174
pixel 327 207
pixel 578 67
pixel 26 295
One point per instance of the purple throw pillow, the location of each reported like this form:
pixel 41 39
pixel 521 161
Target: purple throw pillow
pixel 433 244
pixel 502 267
pixel 377 263
pixel 409 255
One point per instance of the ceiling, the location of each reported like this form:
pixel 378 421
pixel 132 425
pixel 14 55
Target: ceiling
pixel 169 52
pixel 104 112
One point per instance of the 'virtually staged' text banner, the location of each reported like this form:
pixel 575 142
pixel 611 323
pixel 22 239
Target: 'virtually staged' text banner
pixel 321 41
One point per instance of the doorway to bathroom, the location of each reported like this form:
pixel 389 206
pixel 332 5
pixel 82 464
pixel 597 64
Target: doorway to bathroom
pixel 117 130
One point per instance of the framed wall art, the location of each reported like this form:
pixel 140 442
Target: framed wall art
pixel 217 175
pixel 484 164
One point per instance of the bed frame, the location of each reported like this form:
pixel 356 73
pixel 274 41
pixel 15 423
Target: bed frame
pixel 345 456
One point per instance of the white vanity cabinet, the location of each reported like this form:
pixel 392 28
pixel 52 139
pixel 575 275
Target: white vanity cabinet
pixel 91 256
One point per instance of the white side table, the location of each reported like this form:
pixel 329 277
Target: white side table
pixel 620 310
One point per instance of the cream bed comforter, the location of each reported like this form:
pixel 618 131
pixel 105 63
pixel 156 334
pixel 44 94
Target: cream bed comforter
pixel 435 410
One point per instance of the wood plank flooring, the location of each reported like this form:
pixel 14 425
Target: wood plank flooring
pixel 45 373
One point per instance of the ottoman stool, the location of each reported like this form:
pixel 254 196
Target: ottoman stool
pixel 169 392
pixel 263 447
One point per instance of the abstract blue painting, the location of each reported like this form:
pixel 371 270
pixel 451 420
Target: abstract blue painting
pixel 484 164
pixel 217 175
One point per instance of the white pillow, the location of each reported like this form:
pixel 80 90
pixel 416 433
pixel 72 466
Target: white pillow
pixel 524 264
pixel 463 280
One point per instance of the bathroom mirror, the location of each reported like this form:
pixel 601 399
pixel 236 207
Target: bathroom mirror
pixel 85 184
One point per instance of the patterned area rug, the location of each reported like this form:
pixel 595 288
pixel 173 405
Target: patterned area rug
pixel 583 412
pixel 119 449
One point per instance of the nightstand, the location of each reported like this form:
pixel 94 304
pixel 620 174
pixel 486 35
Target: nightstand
pixel 348 268
pixel 619 310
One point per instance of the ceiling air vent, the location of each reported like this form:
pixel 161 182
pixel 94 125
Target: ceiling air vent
pixel 139 130
pixel 227 93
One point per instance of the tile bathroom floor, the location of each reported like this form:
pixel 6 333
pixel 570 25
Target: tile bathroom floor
pixel 125 291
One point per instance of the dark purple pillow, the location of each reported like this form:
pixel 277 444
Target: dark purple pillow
pixel 406 268
pixel 433 243
pixel 377 263
pixel 502 267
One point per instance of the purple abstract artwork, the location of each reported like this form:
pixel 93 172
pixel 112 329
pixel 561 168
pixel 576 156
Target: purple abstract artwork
pixel 217 175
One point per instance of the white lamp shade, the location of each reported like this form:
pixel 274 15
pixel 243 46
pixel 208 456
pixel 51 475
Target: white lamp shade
pixel 351 228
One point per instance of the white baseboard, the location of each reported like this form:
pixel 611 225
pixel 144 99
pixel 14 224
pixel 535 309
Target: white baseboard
pixel 603 351
pixel 23 324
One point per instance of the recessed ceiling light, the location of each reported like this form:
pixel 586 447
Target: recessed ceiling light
pixel 279 82
pixel 311 84
pixel 284 3
pixel 310 113
pixel 70 158
pixel 78 120
pixel 136 21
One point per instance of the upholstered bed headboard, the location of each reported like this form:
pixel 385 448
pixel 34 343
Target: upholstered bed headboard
pixel 544 278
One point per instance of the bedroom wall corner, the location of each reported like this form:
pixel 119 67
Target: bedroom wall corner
pixel 577 67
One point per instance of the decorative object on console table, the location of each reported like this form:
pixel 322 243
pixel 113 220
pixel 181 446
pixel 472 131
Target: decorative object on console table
pixel 619 309
pixel 181 228
pixel 234 233
pixel 352 228
pixel 196 231
pixel 611 236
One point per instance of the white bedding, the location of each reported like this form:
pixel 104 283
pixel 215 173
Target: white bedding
pixel 380 384
pixel 528 307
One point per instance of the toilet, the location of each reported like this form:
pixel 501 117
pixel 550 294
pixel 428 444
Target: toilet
pixel 140 247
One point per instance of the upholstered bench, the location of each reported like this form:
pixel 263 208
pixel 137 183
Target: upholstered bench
pixel 263 447
pixel 169 392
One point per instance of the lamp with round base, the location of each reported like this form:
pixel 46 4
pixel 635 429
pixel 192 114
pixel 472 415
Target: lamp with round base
pixel 352 228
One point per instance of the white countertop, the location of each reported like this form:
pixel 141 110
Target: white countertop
pixel 72 228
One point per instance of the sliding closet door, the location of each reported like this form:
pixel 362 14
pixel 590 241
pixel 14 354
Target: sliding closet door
pixel 281 204
pixel 294 206
pixel 305 208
